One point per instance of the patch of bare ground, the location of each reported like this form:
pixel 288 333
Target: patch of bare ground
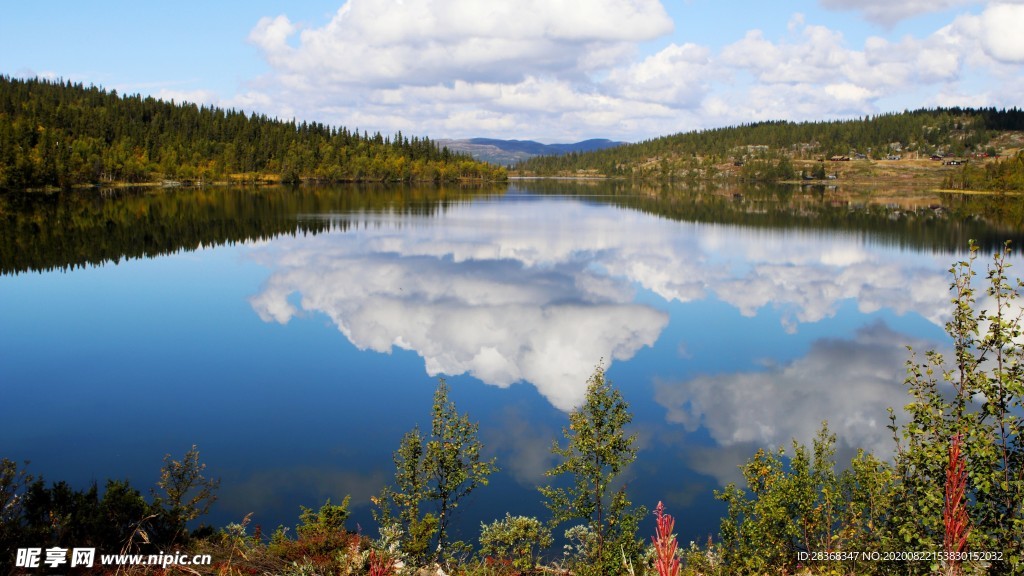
pixel 888 179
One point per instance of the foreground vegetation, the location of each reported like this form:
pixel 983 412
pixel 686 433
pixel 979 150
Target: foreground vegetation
pixel 59 134
pixel 951 501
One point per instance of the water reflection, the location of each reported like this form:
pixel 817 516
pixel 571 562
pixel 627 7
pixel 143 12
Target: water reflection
pixel 540 291
pixel 70 229
pixel 807 277
pixel 849 382
pixel 729 323
pixel 77 228
pixel 478 294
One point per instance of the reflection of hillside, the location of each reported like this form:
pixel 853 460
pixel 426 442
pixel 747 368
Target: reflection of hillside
pixel 939 223
pixel 67 230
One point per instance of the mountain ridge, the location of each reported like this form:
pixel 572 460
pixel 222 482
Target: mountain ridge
pixel 505 152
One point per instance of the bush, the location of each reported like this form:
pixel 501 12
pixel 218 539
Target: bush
pixel 518 539
pixel 986 412
pixel 596 453
pixel 440 468
pixel 803 505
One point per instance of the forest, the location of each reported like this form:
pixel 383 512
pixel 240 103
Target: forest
pixel 64 135
pixel 956 132
pixel 1001 176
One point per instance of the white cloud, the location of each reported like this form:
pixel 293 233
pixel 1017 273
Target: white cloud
pixel 888 13
pixel 1001 35
pixel 423 43
pixel 808 291
pixel 554 71
pixel 675 76
pixel 271 35
pixel 522 306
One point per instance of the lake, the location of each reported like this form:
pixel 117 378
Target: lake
pixel 295 335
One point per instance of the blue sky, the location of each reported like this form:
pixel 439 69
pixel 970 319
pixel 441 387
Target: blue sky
pixel 533 69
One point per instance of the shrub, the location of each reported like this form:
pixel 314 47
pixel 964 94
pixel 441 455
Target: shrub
pixel 986 413
pixel 803 505
pixel 440 468
pixel 518 539
pixel 183 494
pixel 596 453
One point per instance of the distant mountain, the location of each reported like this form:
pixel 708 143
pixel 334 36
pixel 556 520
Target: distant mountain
pixel 505 152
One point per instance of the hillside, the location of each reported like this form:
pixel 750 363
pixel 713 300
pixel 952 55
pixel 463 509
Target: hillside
pixel 507 152
pixel 710 154
pixel 59 134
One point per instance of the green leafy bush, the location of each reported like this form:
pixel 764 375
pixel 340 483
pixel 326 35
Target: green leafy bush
pixel 986 411
pixel 597 451
pixel 518 539
pixel 440 469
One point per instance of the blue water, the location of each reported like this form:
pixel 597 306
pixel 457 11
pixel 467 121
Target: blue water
pixel 296 364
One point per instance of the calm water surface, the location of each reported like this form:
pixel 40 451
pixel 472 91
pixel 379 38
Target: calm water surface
pixel 294 336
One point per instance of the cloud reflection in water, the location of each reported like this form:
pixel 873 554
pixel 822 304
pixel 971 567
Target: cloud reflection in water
pixel 539 291
pixel 502 310
pixel 849 382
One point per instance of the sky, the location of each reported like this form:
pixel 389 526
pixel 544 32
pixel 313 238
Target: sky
pixel 546 70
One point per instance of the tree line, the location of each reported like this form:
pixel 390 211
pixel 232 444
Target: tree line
pixel 956 131
pixel 1003 175
pixel 64 134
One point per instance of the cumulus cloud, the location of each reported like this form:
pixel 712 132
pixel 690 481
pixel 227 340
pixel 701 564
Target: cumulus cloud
pixel 817 54
pixel 1001 32
pixel 806 292
pixel 800 277
pixel 553 71
pixel 504 309
pixel 677 75
pixel 425 43
pixel 460 68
